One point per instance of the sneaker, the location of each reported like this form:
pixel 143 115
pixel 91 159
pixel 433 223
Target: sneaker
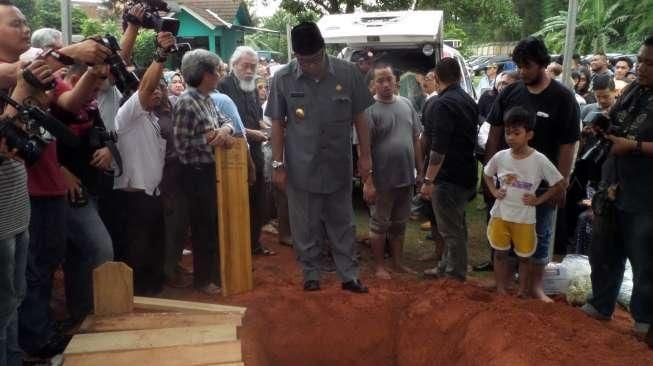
pixel 591 311
pixel 210 289
pixel 434 272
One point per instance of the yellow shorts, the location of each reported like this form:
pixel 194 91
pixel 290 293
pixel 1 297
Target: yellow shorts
pixel 502 233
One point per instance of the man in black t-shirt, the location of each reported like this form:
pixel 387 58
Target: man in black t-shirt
pixel 556 132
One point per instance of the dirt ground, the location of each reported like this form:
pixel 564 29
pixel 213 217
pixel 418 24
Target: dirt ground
pixel 412 322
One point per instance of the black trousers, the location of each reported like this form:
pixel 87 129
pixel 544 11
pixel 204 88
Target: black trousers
pixel 199 187
pixel 142 240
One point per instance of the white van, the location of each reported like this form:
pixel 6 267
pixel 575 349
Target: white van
pixel 411 41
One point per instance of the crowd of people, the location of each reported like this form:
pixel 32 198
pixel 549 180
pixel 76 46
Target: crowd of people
pixel 140 181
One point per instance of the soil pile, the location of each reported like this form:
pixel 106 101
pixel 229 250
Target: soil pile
pixel 412 322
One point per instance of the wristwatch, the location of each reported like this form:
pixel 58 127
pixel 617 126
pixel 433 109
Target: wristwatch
pixel 64 59
pixel 277 164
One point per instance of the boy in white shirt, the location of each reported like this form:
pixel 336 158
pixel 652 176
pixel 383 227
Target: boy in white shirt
pixel 520 171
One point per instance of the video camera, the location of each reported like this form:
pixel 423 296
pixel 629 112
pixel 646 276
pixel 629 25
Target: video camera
pixel 126 81
pixel 153 20
pixel 29 142
pixel 600 149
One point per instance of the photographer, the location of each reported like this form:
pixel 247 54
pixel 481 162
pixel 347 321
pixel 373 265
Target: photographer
pixel 14 219
pixel 89 243
pixel 144 150
pixel 631 165
pixel 14 203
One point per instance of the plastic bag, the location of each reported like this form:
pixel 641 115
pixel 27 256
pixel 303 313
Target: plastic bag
pixel 557 276
pixel 579 290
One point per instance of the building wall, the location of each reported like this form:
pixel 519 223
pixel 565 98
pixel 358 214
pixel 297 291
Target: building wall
pixel 222 41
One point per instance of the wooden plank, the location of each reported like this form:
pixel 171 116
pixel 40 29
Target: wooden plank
pixel 152 303
pixel 204 354
pixel 150 338
pixel 233 219
pixel 113 289
pixel 139 321
pixel 226 364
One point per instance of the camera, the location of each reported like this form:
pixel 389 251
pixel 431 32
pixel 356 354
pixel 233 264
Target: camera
pixel 98 137
pixel 28 141
pixel 29 147
pixel 600 148
pixel 151 17
pixel 126 81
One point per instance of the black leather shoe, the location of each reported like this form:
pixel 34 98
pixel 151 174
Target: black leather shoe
pixel 355 286
pixel 312 285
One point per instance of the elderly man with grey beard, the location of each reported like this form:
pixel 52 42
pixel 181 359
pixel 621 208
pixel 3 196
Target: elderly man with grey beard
pixel 240 86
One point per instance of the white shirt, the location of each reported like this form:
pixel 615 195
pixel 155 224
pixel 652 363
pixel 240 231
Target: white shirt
pixel 519 177
pixel 108 102
pixel 141 146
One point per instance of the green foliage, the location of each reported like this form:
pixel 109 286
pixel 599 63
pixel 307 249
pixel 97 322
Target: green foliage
pixel 596 27
pixel 94 27
pixel 482 20
pixel 451 31
pixel 277 22
pixel 320 6
pixel 47 14
pixel 144 47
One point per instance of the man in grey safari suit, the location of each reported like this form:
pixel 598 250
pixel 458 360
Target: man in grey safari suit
pixel 312 102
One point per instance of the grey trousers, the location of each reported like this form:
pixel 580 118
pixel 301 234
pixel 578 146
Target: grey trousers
pixel 449 201
pixel 312 215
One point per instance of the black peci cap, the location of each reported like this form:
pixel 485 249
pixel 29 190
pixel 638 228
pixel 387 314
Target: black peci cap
pixel 306 38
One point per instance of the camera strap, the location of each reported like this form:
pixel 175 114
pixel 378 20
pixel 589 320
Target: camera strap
pixel 116 156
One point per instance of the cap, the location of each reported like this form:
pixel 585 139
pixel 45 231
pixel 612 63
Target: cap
pixel 306 38
pixel 362 55
pixel 492 64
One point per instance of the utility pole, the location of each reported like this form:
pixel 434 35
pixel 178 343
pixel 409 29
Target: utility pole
pixel 66 23
pixel 570 43
pixel 289 41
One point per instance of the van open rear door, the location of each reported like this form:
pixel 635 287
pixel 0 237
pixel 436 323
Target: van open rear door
pixel 385 29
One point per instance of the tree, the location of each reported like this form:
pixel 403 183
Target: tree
pixel 277 41
pixel 596 27
pixel 145 47
pixel 320 6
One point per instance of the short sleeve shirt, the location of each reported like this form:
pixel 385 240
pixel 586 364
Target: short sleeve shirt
pixel 141 146
pixel 556 112
pixel 519 177
pixel 318 116
pixel 393 128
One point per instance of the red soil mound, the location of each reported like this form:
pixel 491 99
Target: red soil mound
pixel 412 322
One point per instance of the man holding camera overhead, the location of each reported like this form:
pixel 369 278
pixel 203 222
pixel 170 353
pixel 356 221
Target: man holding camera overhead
pixel 14 203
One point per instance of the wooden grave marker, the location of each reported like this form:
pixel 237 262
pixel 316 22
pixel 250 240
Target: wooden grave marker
pixel 233 218
pixel 113 289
